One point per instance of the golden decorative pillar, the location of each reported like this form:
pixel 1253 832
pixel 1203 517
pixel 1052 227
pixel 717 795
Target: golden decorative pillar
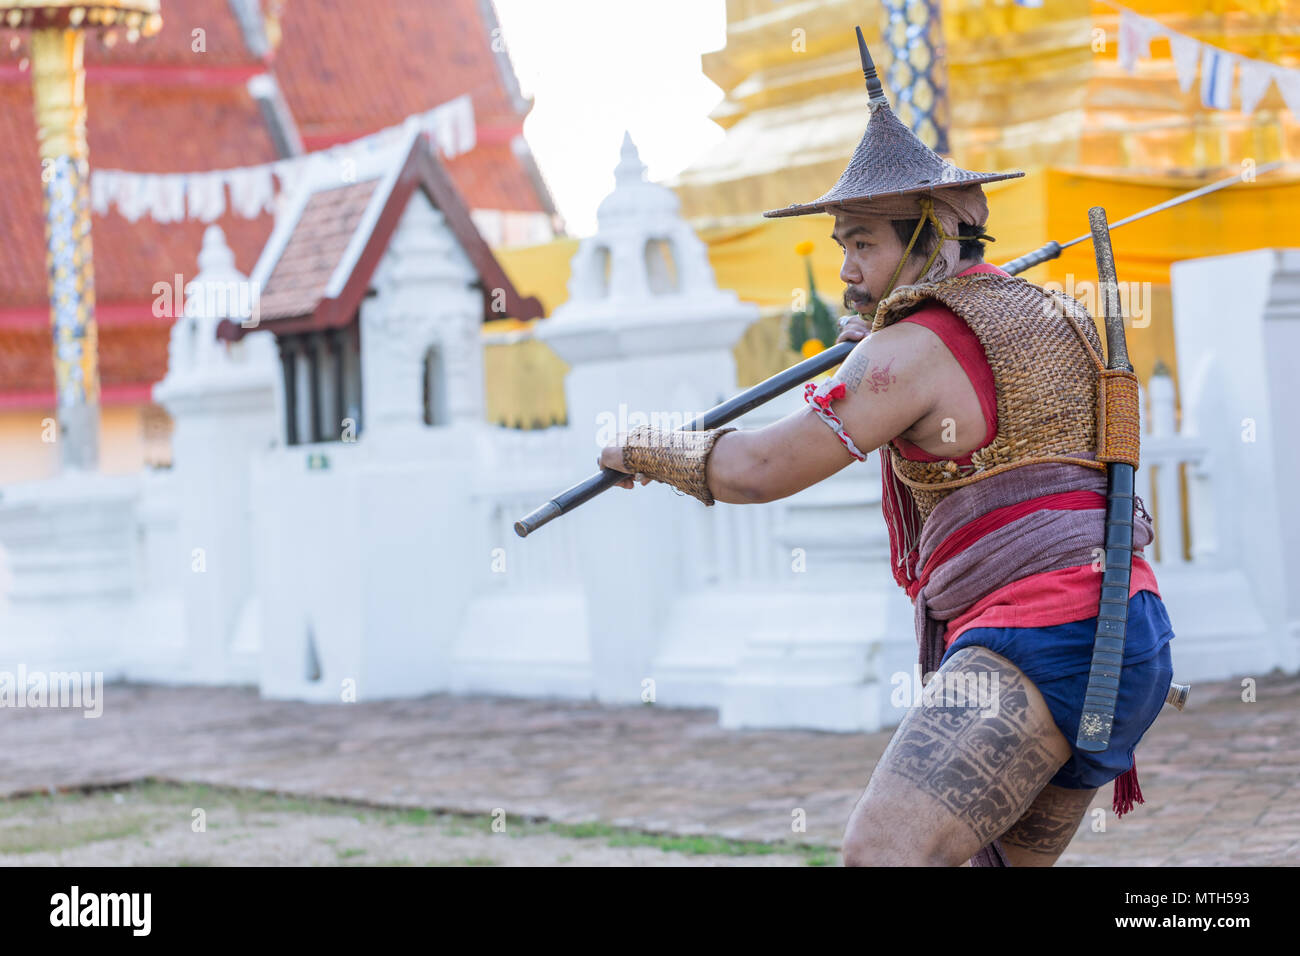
pixel 57 43
pixel 916 79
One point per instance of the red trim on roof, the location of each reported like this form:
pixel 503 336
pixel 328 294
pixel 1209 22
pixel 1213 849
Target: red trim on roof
pixel 107 315
pixel 485 134
pixel 151 74
pixel 132 394
pixel 498 134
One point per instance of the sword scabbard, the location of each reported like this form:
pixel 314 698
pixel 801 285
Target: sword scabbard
pixel 1102 693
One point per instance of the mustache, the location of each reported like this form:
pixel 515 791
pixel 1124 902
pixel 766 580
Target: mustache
pixel 855 297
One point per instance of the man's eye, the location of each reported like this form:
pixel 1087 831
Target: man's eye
pixel 861 245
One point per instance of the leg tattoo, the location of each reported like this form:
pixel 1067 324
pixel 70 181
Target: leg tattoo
pixel 985 770
pixel 1050 822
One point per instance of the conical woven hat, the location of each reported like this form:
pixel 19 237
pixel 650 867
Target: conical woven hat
pixel 890 160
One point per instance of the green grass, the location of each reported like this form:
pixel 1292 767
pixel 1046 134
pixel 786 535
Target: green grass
pixel 467 861
pixel 144 809
pixel 55 836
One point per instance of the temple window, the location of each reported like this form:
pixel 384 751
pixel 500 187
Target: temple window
pixel 435 387
pixel 660 267
pixel 322 385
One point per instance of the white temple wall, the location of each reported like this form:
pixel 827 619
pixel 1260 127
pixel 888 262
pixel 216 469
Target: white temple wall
pixel 362 566
pixel 365 565
pixel 1236 318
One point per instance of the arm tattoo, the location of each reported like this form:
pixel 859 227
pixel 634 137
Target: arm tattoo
pixel 879 377
pixel 853 370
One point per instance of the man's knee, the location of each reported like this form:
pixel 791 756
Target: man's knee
pixel 873 853
pixel 866 844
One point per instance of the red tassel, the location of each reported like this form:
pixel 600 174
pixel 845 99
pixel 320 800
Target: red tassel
pixel 903 519
pixel 1126 791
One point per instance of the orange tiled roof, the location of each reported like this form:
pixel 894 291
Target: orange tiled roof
pixel 131 357
pixel 159 106
pixel 129 256
pixel 423 55
pixel 328 221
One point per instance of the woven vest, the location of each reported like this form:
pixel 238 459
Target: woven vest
pixel 1047 360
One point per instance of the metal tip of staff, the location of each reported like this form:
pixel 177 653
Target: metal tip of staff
pixel 531 522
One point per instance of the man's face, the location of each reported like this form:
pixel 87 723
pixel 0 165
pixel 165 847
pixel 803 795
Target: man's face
pixel 871 254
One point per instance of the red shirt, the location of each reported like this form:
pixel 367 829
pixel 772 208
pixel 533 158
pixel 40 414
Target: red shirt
pixel 1039 600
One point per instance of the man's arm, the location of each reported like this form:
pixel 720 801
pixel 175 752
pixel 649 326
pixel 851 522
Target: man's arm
pixel 889 386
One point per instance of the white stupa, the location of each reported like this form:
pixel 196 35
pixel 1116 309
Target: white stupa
pixel 644 279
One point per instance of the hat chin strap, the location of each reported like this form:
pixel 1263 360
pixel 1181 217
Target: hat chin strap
pixel 927 212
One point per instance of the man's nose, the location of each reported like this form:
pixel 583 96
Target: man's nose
pixel 849 273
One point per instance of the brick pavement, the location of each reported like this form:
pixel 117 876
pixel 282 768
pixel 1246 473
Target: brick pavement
pixel 1222 779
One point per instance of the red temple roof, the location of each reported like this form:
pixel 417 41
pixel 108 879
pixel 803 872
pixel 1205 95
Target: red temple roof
pixel 319 261
pixel 159 106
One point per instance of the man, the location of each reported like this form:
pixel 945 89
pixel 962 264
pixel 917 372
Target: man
pixel 980 389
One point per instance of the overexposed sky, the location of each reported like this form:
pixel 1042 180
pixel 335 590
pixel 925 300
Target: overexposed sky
pixel 598 67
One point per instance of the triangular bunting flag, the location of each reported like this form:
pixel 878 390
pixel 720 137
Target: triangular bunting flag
pixel 1216 78
pixel 1254 78
pixel 1186 53
pixel 1135 34
pixel 1288 81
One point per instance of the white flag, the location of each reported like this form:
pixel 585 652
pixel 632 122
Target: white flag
pixel 1135 34
pixel 102 187
pixel 251 192
pixel 169 199
pixel 452 125
pixel 1216 78
pixel 1186 53
pixel 1288 81
pixel 132 201
pixel 1255 77
pixel 205 195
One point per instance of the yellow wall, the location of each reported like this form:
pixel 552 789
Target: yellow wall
pixel 123 445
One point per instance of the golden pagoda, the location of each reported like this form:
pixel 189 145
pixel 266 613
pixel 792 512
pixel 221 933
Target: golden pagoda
pixel 1040 89
pixel 1034 88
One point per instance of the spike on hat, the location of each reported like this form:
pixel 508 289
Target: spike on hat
pixel 890 160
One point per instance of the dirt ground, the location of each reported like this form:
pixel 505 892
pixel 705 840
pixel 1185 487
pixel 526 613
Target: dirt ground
pixel 160 824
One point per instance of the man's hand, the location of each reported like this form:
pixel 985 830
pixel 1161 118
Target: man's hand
pixel 854 330
pixel 611 456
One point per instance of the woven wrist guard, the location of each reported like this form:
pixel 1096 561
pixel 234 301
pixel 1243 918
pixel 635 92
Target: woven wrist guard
pixel 676 457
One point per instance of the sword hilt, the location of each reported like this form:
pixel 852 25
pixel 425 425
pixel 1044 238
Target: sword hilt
pixel 1030 259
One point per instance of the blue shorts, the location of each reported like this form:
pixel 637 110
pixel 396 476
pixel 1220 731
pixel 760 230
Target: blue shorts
pixel 1057 660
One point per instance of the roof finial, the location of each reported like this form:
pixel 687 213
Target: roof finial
pixel 875 91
